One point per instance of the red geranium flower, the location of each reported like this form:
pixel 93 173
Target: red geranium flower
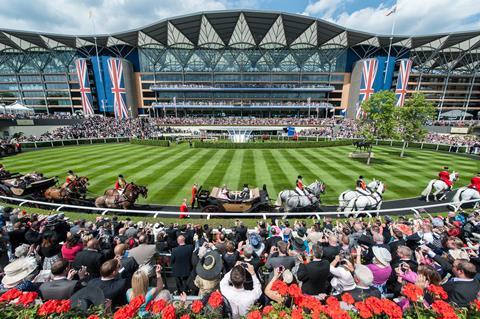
pixel 444 309
pixel 156 306
pixel 93 317
pixel 294 291
pixel 282 314
pixel 297 313
pixel 476 304
pixel 437 292
pixel 266 310
pixel 125 312
pixel 27 298
pixel 348 299
pixel 363 310
pixel 413 292
pixel 186 316
pixel 10 295
pixel 137 302
pixel 280 286
pixel 254 315
pixel 63 306
pixel 197 306
pixel 333 302
pixel 216 299
pixel 391 309
pixel 47 308
pixel 168 312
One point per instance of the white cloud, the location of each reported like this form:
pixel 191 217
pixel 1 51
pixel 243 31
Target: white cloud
pixel 412 16
pixel 323 8
pixel 72 17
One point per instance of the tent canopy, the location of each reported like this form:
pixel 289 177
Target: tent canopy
pixel 16 108
pixel 457 114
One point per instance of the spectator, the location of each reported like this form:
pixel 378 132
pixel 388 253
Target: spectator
pixel 113 287
pixel 91 258
pixel 363 278
pixel 181 264
pixel 62 284
pixel 72 247
pixel 232 288
pixel 209 271
pixel 463 288
pixel 315 276
pixel 144 254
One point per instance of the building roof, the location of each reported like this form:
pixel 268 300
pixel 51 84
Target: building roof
pixel 247 29
pixel 229 28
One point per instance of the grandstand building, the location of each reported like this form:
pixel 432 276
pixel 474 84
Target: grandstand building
pixel 235 63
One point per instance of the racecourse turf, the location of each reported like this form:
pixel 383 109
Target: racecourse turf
pixel 170 172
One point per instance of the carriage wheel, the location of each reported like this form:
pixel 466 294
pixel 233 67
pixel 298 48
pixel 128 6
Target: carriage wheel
pixel 211 209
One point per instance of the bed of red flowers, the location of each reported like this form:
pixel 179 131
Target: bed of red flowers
pixel 15 304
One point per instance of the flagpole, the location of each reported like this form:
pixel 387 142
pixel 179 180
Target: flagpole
pixel 98 61
pixel 391 40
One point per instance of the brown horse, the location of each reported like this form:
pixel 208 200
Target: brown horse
pixel 125 201
pixel 76 189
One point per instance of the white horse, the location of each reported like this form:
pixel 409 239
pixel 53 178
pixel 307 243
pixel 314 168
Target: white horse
pixel 439 186
pixel 348 195
pixel 465 194
pixel 291 200
pixel 366 202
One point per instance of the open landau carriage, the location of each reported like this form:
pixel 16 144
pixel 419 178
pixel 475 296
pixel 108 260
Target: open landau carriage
pixel 215 201
pixel 22 185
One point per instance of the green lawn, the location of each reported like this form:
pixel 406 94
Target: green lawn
pixel 170 172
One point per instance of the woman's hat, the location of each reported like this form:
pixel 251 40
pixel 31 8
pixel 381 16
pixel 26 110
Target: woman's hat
pixel 86 298
pixel 18 270
pixel 301 233
pixel 298 244
pixel 287 276
pixel 210 266
pixel 382 255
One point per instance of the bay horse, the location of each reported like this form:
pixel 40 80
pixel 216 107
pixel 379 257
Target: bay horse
pixel 125 201
pixel 75 189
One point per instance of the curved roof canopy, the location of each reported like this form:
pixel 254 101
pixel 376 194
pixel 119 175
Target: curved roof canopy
pixel 238 29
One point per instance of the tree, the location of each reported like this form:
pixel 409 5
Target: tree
pixel 379 120
pixel 412 116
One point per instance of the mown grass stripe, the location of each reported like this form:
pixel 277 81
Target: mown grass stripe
pixel 232 175
pixel 278 176
pixel 218 172
pixel 262 174
pixel 247 173
pixel 179 184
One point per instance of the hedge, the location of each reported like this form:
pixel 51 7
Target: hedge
pixel 270 145
pixel 162 143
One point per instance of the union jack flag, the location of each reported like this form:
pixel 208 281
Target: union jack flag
pixel 402 81
pixel 84 84
pixel 369 72
pixel 115 70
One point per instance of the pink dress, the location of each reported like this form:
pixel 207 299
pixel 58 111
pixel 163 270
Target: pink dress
pixel 70 253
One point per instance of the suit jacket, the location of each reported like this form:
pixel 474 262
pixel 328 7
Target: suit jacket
pixel 181 261
pixel 315 277
pixel 90 258
pixel 462 293
pixel 59 289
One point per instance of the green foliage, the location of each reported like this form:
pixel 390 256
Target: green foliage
pixel 413 115
pixel 381 117
pixel 162 143
pixel 270 145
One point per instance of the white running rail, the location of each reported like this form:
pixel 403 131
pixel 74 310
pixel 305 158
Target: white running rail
pixel 103 211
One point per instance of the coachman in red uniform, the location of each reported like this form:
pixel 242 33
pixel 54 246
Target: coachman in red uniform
pixel 475 182
pixel 445 176
pixel 194 195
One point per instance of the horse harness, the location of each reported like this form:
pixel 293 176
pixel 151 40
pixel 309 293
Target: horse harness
pixel 377 202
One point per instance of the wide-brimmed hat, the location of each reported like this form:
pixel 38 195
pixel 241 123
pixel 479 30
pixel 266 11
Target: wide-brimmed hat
pixel 301 233
pixel 210 266
pixel 458 254
pixel 382 255
pixel 86 298
pixel 287 276
pixel 298 244
pixel 18 270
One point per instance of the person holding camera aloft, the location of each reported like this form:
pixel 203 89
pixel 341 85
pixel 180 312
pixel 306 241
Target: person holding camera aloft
pixel 341 268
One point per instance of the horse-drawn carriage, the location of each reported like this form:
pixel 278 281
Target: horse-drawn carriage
pixel 235 202
pixel 24 185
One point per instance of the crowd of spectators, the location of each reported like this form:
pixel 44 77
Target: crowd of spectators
pixel 121 260
pixel 148 127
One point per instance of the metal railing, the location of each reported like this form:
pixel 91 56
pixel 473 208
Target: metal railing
pixel 264 215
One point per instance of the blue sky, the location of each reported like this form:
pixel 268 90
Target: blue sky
pixel 413 17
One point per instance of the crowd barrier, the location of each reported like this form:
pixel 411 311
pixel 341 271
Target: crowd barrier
pixel 172 137
pixel 264 215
